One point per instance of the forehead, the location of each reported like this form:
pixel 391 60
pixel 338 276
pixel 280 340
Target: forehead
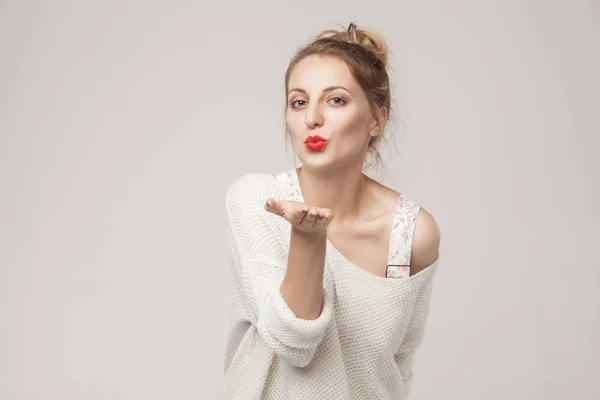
pixel 316 72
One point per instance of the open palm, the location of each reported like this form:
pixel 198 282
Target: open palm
pixel 301 215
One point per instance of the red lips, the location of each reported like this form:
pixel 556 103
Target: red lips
pixel 314 139
pixel 315 142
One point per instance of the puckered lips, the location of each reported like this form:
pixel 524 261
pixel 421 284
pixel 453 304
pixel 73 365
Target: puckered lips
pixel 315 143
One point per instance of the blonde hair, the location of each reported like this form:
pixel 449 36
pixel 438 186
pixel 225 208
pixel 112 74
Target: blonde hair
pixel 366 55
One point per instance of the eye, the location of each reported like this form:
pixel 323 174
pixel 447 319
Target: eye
pixel 340 102
pixel 293 104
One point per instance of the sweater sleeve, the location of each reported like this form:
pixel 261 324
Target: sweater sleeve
pixel 416 329
pixel 257 260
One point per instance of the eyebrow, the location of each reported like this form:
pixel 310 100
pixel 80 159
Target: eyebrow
pixel 327 89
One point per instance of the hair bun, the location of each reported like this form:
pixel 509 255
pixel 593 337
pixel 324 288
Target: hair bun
pixel 371 40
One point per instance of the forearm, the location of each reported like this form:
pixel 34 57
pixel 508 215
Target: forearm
pixel 258 267
pixel 302 286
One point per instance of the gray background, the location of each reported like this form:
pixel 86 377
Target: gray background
pixel 123 123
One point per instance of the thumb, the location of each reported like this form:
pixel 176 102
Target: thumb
pixel 272 206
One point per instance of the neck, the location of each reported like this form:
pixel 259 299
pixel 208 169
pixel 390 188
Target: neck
pixel 341 190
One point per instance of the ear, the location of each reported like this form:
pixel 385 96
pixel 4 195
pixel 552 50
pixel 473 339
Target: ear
pixel 384 114
pixel 375 130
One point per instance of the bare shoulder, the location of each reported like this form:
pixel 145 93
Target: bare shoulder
pixel 427 236
pixel 426 242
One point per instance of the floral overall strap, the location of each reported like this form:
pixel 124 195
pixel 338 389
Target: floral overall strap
pixel 401 239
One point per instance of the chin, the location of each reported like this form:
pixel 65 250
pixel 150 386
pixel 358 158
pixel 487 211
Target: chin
pixel 318 162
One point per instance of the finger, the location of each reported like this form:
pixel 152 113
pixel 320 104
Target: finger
pixel 296 215
pixel 327 215
pixel 272 206
pixel 321 220
pixel 311 216
pixel 300 215
pixel 320 216
pixel 323 213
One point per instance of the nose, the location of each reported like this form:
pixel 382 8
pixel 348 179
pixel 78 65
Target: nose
pixel 313 116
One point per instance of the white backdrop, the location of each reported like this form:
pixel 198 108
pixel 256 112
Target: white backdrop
pixel 123 123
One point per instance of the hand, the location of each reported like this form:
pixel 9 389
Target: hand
pixel 302 216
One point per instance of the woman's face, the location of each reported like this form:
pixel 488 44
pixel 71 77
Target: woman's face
pixel 324 99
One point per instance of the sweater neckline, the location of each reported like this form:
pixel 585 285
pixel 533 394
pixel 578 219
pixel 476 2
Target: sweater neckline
pixel 338 256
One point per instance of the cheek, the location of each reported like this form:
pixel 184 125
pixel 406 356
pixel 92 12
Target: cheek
pixel 349 123
pixel 292 124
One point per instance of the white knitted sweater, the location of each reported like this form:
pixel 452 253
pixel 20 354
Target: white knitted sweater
pixel 360 347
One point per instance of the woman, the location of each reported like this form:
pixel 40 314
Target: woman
pixel 330 271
